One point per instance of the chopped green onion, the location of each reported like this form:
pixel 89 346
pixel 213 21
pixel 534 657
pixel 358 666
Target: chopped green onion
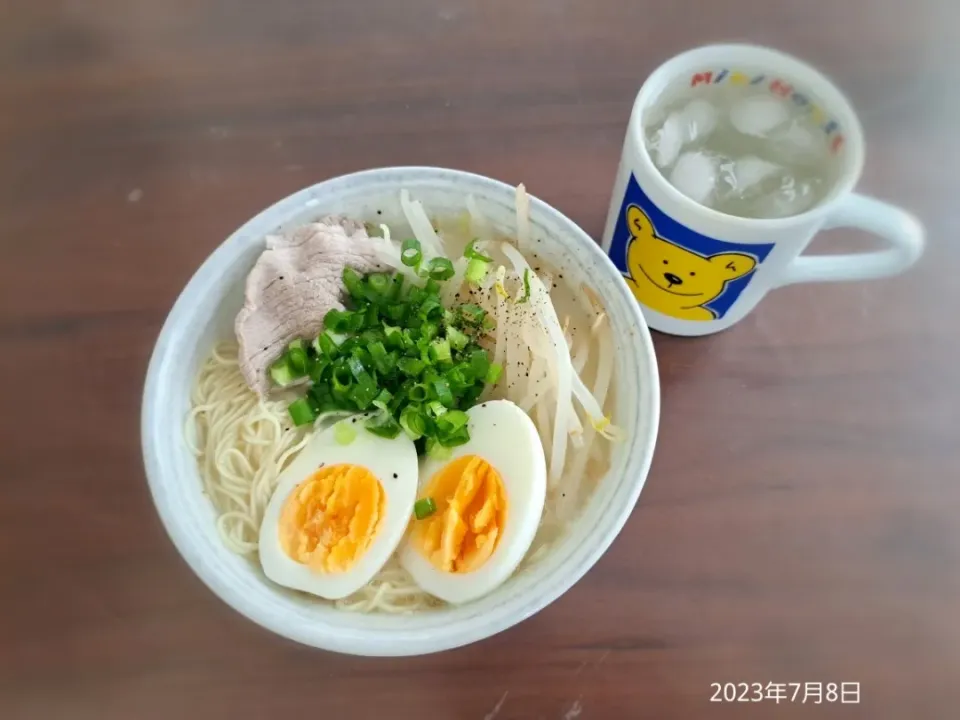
pixel 354 284
pixel 424 508
pixel 471 252
pixel 471 394
pixel 343 433
pixel 410 253
pixel 379 283
pixel 383 425
pixel 339 321
pixel 371 318
pixel 399 351
pixel 396 312
pixel 301 412
pixel 472 314
pixel 413 422
pixel 493 373
pixel 382 400
pixel 435 409
pixel 440 268
pixel 411 366
pixel 436 451
pixel 365 390
pixel 451 421
pixel 341 379
pixel 357 368
pixel 415 295
pixel 458 378
pixel 428 331
pixel 318 367
pixel 297 360
pixel 457 340
pixel 397 290
pixel 281 373
pixel 327 345
pixel 440 350
pixel 380 357
pixel 455 438
pixel 441 389
pixel 358 352
pixel 479 363
pixel 393 335
pixel 526 286
pixel 476 271
pixel 431 308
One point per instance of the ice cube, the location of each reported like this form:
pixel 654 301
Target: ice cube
pixel 667 142
pixel 695 175
pixel 699 120
pixel 727 175
pixel 791 198
pixel 744 175
pixel 759 115
pixel 750 171
pixel 797 143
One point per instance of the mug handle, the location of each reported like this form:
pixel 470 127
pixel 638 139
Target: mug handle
pixel 900 229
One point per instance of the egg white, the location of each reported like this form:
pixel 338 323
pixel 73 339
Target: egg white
pixel 505 436
pixel 381 456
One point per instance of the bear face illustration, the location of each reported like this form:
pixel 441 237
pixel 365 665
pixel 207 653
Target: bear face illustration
pixel 673 280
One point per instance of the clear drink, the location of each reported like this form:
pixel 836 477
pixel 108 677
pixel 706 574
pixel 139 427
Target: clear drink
pixel 741 150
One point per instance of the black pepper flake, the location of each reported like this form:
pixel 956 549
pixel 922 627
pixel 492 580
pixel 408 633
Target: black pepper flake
pixel 266 347
pixel 394 476
pixel 320 465
pixel 281 277
pixel 560 276
pixel 380 212
pixel 353 420
pixel 539 239
pixel 563 494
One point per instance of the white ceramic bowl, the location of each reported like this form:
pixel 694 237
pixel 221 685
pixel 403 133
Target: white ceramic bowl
pixel 203 315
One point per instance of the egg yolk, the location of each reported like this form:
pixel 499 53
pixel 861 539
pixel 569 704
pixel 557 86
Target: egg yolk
pixel 468 523
pixel 330 519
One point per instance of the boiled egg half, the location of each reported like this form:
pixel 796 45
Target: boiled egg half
pixel 339 511
pixel 489 496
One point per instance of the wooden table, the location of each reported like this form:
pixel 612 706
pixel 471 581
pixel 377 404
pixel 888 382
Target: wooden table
pixel 800 520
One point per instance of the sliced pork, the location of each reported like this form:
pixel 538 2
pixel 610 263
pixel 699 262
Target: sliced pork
pixel 296 280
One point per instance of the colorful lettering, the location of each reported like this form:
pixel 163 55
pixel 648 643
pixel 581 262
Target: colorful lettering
pixel 704 77
pixel 778 87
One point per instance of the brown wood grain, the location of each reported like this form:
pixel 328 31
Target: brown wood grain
pixel 800 520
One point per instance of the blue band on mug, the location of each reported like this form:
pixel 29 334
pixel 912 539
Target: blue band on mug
pixel 674 270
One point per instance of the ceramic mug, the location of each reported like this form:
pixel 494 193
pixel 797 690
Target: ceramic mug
pixel 727 264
